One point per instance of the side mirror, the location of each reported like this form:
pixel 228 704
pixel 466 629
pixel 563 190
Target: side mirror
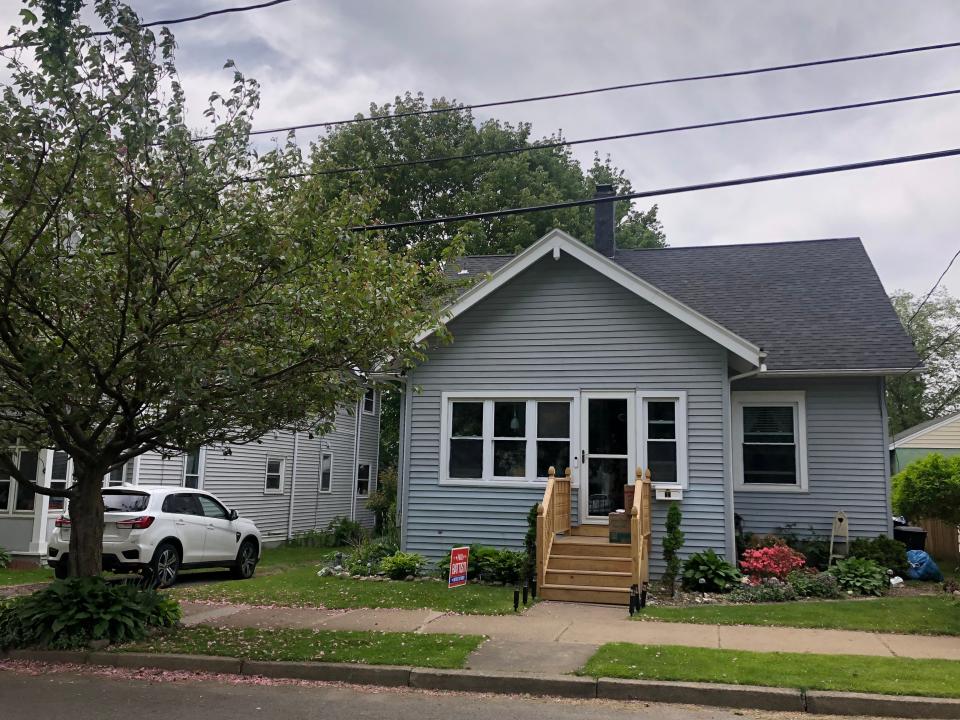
pixel 233 515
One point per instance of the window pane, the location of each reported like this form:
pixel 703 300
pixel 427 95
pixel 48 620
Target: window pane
pixel 120 501
pixel 326 468
pixel 605 480
pixel 770 464
pixel 211 508
pixel 662 461
pixel 509 419
pixel 661 420
pixel 369 400
pixel 608 426
pixel 552 452
pixel 768 424
pixel 553 420
pixel 467 419
pixel 363 478
pixel 58 470
pixel 363 471
pixel 510 458
pixel 466 458
pixel 273 467
pixel 28 466
pixel 5 486
pixel 273 482
pixel 55 503
pixel 193 463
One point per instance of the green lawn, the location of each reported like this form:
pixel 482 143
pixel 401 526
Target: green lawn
pixel 373 648
pixel 847 673
pixel 9 576
pixel 924 615
pixel 283 556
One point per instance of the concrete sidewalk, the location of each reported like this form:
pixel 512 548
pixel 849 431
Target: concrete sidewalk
pixel 555 637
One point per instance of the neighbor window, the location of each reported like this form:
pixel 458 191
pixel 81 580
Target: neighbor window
pixel 363 479
pixel 114 477
pixel 326 471
pixel 370 401
pixel 506 439
pixel 14 497
pixel 664 438
pixel 770 450
pixel 274 479
pixel 191 470
pixel 60 475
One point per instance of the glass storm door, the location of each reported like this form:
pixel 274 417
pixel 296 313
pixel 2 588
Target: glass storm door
pixel 608 449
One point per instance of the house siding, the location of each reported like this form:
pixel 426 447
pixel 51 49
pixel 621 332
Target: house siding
pixel 947 436
pixel 846 460
pixel 561 327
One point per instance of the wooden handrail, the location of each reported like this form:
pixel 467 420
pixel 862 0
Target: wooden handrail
pixel 553 516
pixel 640 524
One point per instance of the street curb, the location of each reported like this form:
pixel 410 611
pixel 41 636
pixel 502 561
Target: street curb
pixel 707 694
pixel 841 703
pixel 714 694
pixel 494 682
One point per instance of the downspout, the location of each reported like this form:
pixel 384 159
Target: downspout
pixel 401 461
pixel 356 460
pixel 293 482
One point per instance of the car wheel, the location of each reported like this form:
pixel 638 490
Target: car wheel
pixel 61 571
pixel 246 561
pixel 165 565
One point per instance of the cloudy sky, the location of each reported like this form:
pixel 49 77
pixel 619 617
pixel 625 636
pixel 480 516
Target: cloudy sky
pixel 327 59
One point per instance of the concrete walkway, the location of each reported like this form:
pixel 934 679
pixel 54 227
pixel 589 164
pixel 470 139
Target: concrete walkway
pixel 554 637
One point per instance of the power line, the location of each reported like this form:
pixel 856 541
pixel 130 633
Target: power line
pixel 930 351
pixel 612 88
pixel 935 286
pixel 606 138
pixel 899 160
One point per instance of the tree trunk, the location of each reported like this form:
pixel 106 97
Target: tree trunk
pixel 86 524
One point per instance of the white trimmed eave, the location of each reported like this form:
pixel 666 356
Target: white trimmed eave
pixel 557 241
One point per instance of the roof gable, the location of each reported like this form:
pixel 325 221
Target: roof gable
pixel 924 428
pixel 556 242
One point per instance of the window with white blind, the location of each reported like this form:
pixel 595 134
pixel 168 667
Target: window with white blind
pixel 770 450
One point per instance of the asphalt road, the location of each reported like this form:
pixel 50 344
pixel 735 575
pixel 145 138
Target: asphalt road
pixel 25 696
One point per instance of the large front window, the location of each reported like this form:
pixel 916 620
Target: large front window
pixel 506 439
pixel 770 441
pixel 15 497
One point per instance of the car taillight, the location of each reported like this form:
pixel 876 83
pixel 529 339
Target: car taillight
pixel 62 522
pixel 140 523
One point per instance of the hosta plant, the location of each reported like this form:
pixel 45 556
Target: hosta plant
pixel 859 576
pixel 708 572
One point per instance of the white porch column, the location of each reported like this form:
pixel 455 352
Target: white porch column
pixel 41 505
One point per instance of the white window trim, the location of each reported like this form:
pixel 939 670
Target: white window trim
pixel 797 399
pixel 266 468
pixel 488 478
pixel 201 462
pixel 363 403
pixel 325 453
pixel 680 397
pixel 356 479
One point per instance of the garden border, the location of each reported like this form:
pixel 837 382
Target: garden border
pixel 706 694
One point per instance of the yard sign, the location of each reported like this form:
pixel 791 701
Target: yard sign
pixel 459 562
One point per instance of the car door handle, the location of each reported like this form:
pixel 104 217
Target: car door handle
pixel 180 522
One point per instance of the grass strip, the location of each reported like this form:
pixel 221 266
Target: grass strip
pixel 845 673
pixel 371 648
pixel 11 576
pixel 925 615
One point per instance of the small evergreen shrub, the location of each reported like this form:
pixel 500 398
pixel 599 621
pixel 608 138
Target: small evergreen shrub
pixel 708 572
pixel 776 561
pixel 530 544
pixel 860 576
pixel 401 565
pixel 813 584
pixel 71 613
pixel 771 590
pixel 672 542
pixel 4 558
pixel 888 553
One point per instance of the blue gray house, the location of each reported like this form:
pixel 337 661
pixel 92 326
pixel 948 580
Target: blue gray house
pixel 749 379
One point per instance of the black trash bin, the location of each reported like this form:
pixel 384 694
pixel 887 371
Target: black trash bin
pixel 915 538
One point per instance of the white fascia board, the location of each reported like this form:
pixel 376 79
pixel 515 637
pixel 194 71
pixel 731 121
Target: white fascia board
pixel 558 241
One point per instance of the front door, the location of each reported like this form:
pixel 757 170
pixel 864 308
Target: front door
pixel 607 454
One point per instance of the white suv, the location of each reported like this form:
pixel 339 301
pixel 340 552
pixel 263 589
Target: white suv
pixel 161 530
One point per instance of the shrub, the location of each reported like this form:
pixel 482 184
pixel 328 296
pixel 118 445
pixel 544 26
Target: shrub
pixel 888 553
pixel 708 572
pixel 4 558
pixel 72 613
pixel 815 549
pixel 401 565
pixel 502 566
pixel 344 531
pixel 383 501
pixel 311 539
pixel 929 488
pixel 672 542
pixel 813 584
pixel 530 544
pixel 860 576
pixel 770 590
pixel 367 555
pixel 776 561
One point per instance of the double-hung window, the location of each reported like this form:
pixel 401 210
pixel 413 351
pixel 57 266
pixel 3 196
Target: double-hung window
pixel 505 439
pixel 326 472
pixel 192 469
pixel 61 476
pixel 770 441
pixel 15 497
pixel 663 438
pixel 370 401
pixel 273 483
pixel 363 479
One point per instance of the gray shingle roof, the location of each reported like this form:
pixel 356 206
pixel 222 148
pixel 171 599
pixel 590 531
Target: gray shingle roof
pixel 812 305
pixel 923 426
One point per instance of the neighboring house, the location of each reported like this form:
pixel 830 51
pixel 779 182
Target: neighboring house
pixel 286 482
pixel 748 378
pixel 940 435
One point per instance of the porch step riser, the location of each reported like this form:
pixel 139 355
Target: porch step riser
pixel 588 580
pixel 586 595
pixel 570 546
pixel 605 564
pixel 590 531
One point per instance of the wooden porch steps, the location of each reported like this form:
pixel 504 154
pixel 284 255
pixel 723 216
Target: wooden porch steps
pixel 590 531
pixel 580 562
pixel 577 593
pixel 585 567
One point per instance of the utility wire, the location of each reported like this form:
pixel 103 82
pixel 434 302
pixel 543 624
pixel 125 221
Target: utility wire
pixel 935 286
pixel 612 88
pixel 826 170
pixel 606 138
pixel 930 351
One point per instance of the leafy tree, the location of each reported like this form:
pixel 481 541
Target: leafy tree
pixel 673 540
pixel 480 183
pixel 929 488
pixel 150 298
pixel 912 399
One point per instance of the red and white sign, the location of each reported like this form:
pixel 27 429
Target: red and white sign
pixel 459 562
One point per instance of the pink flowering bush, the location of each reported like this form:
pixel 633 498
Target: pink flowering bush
pixel 777 561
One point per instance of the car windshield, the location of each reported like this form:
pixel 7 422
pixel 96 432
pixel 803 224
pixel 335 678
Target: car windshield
pixel 124 501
